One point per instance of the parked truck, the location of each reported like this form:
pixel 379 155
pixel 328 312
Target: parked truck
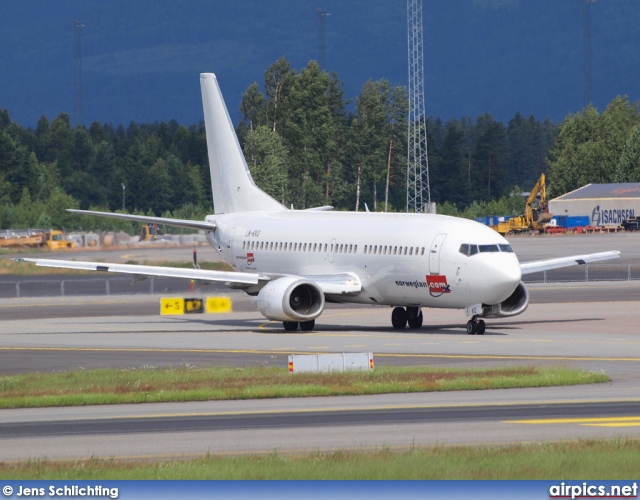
pixel 16 238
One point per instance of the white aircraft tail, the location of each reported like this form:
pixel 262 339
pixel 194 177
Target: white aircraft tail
pixel 231 183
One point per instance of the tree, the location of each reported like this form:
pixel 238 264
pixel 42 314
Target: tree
pixel 490 159
pixel 370 137
pixel 589 147
pixel 252 106
pixel 267 158
pixel 628 167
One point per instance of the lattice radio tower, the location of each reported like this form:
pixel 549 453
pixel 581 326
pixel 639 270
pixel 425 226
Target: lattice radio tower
pixel 321 40
pixel 586 43
pixel 418 192
pixel 78 69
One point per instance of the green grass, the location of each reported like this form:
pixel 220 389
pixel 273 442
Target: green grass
pixel 113 386
pixel 595 460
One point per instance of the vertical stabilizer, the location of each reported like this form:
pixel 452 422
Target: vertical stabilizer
pixel 231 183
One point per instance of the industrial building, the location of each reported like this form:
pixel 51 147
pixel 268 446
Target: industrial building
pixel 605 204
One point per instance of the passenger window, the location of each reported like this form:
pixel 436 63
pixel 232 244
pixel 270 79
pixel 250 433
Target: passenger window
pixel 355 249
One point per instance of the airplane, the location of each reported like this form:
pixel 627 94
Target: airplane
pixel 295 261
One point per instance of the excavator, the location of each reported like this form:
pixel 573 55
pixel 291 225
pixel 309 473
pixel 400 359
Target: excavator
pixel 534 218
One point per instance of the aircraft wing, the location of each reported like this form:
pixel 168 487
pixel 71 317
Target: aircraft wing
pixel 191 224
pixel 172 272
pixel 536 266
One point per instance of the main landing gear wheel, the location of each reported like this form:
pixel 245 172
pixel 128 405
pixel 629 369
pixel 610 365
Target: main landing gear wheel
pixel 476 326
pixel 399 318
pixel 414 317
pixel 307 326
pixel 290 326
pixel 411 315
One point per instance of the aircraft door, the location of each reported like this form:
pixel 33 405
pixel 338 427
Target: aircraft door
pixel 330 250
pixel 229 246
pixel 434 253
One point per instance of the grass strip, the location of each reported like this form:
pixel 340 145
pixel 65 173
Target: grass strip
pixel 591 460
pixel 147 385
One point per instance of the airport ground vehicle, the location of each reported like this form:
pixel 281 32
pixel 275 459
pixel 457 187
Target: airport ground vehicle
pixel 150 232
pixel 631 224
pixel 53 239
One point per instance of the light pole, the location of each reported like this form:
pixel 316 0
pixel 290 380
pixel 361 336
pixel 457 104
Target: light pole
pixel 123 196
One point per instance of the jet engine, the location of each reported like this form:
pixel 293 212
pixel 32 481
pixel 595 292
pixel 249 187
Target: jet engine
pixel 513 305
pixel 291 299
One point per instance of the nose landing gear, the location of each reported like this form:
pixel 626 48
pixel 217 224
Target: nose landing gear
pixel 475 326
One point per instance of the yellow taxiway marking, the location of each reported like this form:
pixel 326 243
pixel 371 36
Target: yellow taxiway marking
pixel 287 350
pixel 595 422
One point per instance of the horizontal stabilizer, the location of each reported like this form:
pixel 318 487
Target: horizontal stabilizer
pixel 537 266
pixel 170 272
pixel 145 219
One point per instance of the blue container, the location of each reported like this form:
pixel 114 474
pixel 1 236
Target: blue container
pixel 561 220
pixel 578 221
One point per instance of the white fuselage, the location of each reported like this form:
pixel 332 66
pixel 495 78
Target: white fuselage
pixel 401 259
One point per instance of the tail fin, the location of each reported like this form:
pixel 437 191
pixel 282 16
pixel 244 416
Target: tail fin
pixel 231 183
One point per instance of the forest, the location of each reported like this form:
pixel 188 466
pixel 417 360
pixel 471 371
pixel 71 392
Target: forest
pixel 307 145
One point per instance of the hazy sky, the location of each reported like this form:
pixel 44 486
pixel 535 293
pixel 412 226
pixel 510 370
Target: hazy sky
pixel 141 58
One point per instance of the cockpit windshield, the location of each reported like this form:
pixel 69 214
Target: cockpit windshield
pixel 471 249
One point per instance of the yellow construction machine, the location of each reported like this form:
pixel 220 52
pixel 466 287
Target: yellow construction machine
pixel 534 217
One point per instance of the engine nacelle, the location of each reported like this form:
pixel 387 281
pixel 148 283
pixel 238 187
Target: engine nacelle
pixel 291 299
pixel 515 304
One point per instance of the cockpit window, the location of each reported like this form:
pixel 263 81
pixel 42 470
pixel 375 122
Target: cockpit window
pixel 469 249
pixel 488 248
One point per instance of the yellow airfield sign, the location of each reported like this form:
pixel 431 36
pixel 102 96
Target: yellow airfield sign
pixel 218 305
pixel 192 305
